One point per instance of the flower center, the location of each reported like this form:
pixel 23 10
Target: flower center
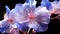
pixel 11 20
pixel 31 16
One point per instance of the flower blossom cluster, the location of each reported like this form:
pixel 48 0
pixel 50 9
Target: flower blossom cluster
pixel 26 16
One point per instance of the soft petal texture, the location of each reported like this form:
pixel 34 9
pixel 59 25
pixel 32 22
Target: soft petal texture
pixel 47 4
pixel 35 25
pixel 4 25
pixel 7 10
pixel 56 7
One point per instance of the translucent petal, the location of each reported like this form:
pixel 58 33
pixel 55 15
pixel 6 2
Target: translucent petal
pixel 43 15
pixel 7 10
pixel 47 4
pixel 22 27
pixel 35 25
pixel 4 25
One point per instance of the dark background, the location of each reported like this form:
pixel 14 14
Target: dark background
pixel 53 25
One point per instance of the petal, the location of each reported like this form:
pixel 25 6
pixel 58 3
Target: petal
pixel 7 10
pixel 43 26
pixel 35 25
pixel 56 7
pixel 22 27
pixel 31 2
pixel 43 16
pixel 47 4
pixel 3 26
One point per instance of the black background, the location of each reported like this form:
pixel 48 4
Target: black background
pixel 53 25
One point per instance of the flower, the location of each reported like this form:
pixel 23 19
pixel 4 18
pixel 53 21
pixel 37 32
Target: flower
pixel 32 17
